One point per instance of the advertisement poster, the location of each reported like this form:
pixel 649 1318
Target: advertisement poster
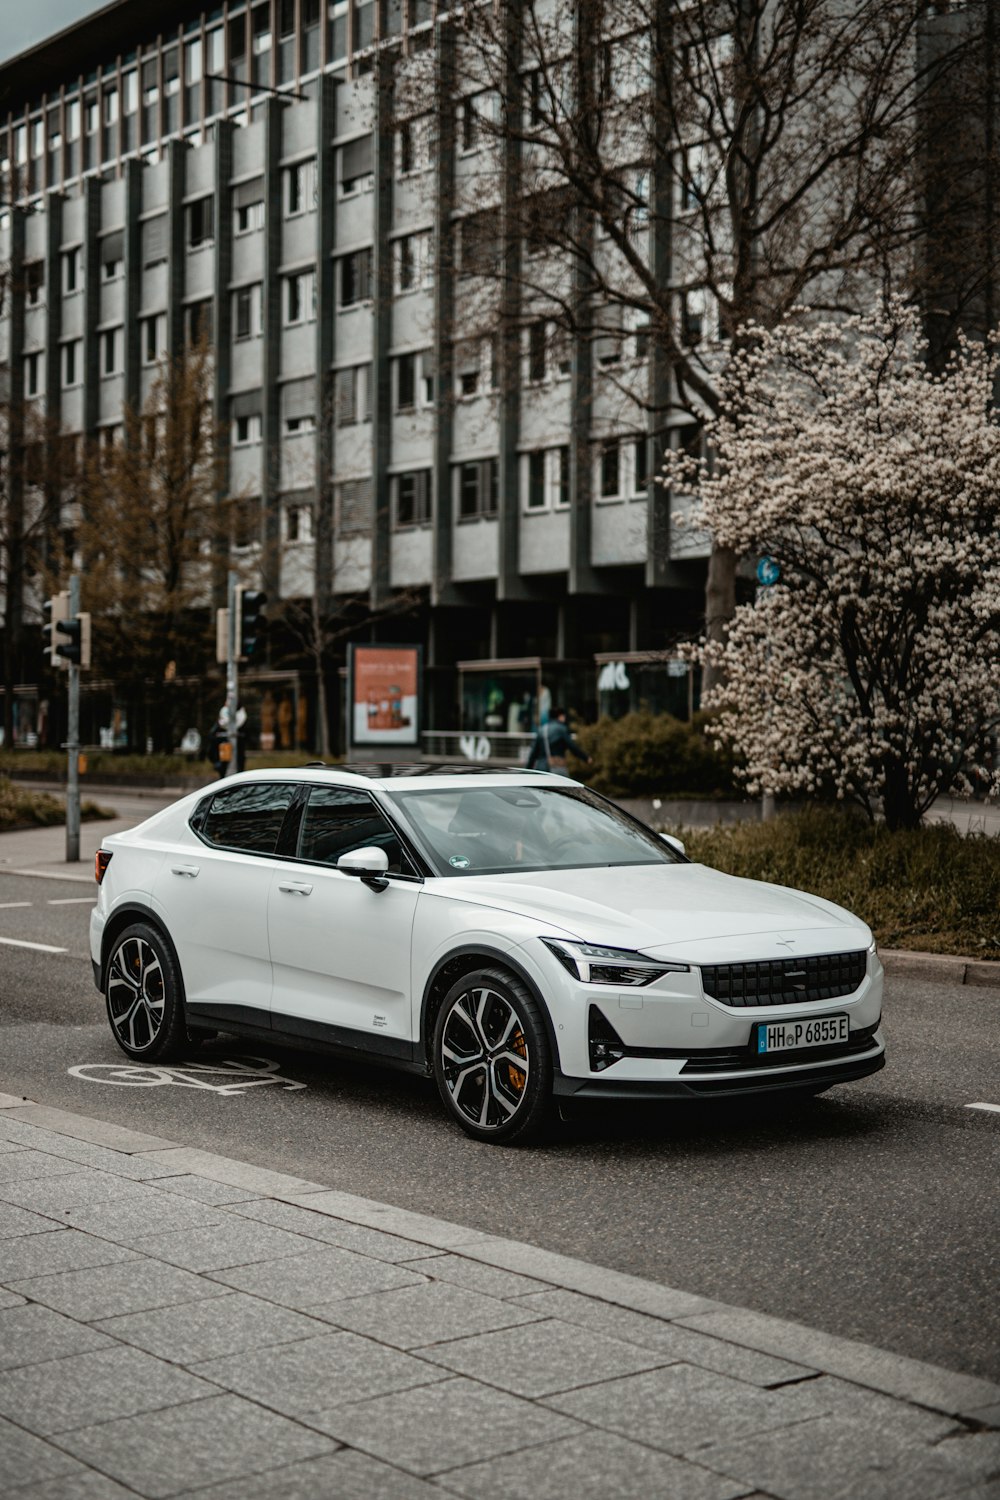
pixel 384 688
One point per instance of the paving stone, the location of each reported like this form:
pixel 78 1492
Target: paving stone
pixel 335 1231
pixel 421 1315
pixel 879 1369
pixel 344 1475
pixel 194 1445
pixel 233 1242
pixel 54 1195
pixel 15 1221
pixel 679 1344
pixel 10 1299
pixel 437 1427
pixel 208 1329
pixel 64 1122
pixel 260 1181
pixel 319 1276
pixel 318 1373
pixel 69 1250
pixel 680 1409
pixel 104 1291
pixel 592 1467
pixel 30 1334
pixel 160 1213
pixel 30 1164
pixel 477 1277
pixel 82 1484
pixel 25 1458
pixel 204 1189
pixel 420 1227
pixel 86 1154
pixel 541 1358
pixel 829 1397
pixel 833 1459
pixel 62 1394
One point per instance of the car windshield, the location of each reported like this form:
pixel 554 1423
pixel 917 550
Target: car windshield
pixel 501 830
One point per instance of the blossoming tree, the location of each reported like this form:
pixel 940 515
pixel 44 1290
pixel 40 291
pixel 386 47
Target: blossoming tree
pixel 871 668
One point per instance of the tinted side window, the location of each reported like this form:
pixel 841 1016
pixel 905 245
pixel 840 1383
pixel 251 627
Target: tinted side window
pixel 338 820
pixel 248 817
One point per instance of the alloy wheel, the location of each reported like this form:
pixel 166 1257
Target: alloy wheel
pixel 484 1058
pixel 136 994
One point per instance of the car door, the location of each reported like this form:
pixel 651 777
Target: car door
pixel 340 951
pixel 212 893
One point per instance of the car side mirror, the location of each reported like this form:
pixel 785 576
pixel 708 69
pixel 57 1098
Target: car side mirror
pixel 370 865
pixel 675 843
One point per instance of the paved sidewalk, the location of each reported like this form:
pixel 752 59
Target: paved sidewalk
pixel 173 1322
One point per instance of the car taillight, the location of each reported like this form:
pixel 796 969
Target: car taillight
pixel 101 861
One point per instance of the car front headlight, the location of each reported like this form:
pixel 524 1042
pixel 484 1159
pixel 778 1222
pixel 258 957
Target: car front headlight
pixel 593 964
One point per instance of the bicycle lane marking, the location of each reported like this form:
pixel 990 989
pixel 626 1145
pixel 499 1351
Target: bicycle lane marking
pixel 992 1108
pixel 38 947
pixel 239 1074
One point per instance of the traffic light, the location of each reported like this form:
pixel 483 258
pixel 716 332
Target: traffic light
pixel 56 611
pixel 76 650
pixel 250 621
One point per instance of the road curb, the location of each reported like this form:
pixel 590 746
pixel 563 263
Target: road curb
pixel 947 968
pixel 967 1398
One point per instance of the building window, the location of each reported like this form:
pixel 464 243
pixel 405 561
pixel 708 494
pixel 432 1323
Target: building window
pixel 300 298
pixel 357 166
pixel 34 283
pixel 200 223
pixel 154 338
pixel 414 381
pixel 300 188
pixel 611 470
pixel 112 348
pixel 545 479
pixel 412 261
pixel 413 143
pixel 299 425
pixel 354 507
pixel 640 465
pixel 537 343
pixel 298 523
pixel 693 316
pixel 33 374
pixel 478 244
pixel 245 517
pixel 72 269
pixel 197 322
pixel 248 217
pixel 72 365
pixel 413 498
pixel 475 367
pixel 353 395
pixel 112 268
pixel 247 312
pixel 355 278
pixel 478 488
pixel 468 123
pixel 155 242
pixel 247 430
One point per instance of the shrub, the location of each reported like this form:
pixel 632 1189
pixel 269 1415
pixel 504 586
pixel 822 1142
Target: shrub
pixel 23 809
pixel 929 888
pixel 646 753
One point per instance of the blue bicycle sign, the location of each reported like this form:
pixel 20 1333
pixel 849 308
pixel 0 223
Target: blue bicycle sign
pixel 768 572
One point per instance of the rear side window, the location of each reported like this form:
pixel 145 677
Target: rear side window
pixel 248 817
pixel 338 820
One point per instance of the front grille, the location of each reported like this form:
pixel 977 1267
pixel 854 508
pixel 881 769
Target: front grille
pixel 785 981
pixel 740 1059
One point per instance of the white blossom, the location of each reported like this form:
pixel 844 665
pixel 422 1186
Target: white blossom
pixel 871 670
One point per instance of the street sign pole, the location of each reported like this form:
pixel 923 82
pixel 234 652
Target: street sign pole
pixel 232 676
pixel 73 740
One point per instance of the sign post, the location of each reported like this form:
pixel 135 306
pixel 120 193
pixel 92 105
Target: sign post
pixel 73 739
pixel 232 675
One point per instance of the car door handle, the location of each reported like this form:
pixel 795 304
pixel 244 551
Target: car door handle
pixel 294 888
pixel 191 871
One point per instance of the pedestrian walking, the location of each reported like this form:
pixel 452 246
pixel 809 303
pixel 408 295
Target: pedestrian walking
pixel 553 742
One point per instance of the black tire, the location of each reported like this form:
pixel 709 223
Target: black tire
pixel 144 996
pixel 488 1023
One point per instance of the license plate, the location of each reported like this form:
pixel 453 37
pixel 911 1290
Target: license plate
pixel 791 1036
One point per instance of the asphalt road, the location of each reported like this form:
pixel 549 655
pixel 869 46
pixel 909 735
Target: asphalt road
pixel 872 1212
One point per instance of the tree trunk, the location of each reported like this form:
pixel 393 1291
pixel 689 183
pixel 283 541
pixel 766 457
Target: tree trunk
pixel 322 718
pixel 720 606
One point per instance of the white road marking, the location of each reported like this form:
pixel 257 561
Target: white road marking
pixel 39 947
pixel 993 1108
pixel 10 905
pixel 52 875
pixel 70 901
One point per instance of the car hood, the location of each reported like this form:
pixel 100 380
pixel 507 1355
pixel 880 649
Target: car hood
pixel 664 909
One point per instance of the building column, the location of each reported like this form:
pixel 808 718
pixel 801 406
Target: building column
pixel 382 328
pixel 326 228
pixel 222 318
pixel 270 416
pixel 177 185
pixel 659 498
pixel 444 312
pixel 131 337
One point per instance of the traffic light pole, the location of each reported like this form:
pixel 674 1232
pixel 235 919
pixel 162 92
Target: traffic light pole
pixel 232 676
pixel 73 741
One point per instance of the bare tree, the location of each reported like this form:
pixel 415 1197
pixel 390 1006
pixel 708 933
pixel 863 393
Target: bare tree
pixel 683 175
pixel 152 536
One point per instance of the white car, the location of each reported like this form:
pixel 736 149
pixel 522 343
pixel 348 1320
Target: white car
pixel 519 937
